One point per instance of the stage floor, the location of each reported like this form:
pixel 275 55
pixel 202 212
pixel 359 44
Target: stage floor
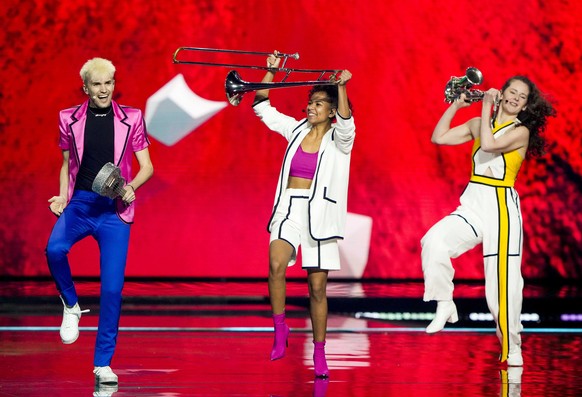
pixel 215 341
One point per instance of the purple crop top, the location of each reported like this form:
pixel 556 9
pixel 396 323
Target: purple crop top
pixel 303 164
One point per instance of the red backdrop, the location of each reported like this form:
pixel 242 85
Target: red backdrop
pixel 204 212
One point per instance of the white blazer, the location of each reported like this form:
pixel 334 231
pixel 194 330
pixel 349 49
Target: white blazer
pixel 329 191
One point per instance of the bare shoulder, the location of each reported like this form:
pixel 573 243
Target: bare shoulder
pixel 521 133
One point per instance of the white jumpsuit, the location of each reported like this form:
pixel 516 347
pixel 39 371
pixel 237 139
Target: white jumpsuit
pixel 490 214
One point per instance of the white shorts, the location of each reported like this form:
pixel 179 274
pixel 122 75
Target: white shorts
pixel 291 224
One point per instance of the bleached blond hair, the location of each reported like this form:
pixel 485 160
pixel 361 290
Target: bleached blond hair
pixel 96 66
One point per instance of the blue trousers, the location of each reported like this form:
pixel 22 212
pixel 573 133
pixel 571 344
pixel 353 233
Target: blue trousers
pixel 89 214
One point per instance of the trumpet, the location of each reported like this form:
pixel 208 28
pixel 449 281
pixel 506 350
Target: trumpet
pixel 461 85
pixel 235 87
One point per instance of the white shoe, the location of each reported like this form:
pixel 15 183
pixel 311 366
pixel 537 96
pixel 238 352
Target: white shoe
pixel 104 390
pixel 104 376
pixel 446 312
pixel 70 325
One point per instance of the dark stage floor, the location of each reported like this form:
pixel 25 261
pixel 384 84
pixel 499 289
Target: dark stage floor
pixel 213 338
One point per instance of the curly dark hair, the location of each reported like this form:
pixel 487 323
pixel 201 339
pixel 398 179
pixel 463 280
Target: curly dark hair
pixel 534 116
pixel 331 91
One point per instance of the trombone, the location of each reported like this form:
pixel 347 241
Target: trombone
pixel 235 87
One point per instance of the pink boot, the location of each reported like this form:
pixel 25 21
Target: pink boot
pixel 281 335
pixel 319 363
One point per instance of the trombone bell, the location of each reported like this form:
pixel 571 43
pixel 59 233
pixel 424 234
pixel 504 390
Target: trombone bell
pixel 234 87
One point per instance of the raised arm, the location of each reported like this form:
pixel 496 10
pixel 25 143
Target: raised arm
pixel 343 106
pixel 272 62
pixel 443 134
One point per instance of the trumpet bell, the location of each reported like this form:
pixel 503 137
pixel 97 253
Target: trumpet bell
pixel 461 85
pixel 474 76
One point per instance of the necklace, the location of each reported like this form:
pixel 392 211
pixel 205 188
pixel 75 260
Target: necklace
pixel 100 114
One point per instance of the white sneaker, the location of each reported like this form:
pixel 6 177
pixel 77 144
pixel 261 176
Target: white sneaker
pixel 104 376
pixel 446 312
pixel 70 325
pixel 104 390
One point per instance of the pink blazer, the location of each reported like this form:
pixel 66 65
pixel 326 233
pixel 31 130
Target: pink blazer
pixel 130 136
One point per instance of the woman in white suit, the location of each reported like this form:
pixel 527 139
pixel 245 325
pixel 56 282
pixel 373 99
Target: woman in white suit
pixel 311 200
